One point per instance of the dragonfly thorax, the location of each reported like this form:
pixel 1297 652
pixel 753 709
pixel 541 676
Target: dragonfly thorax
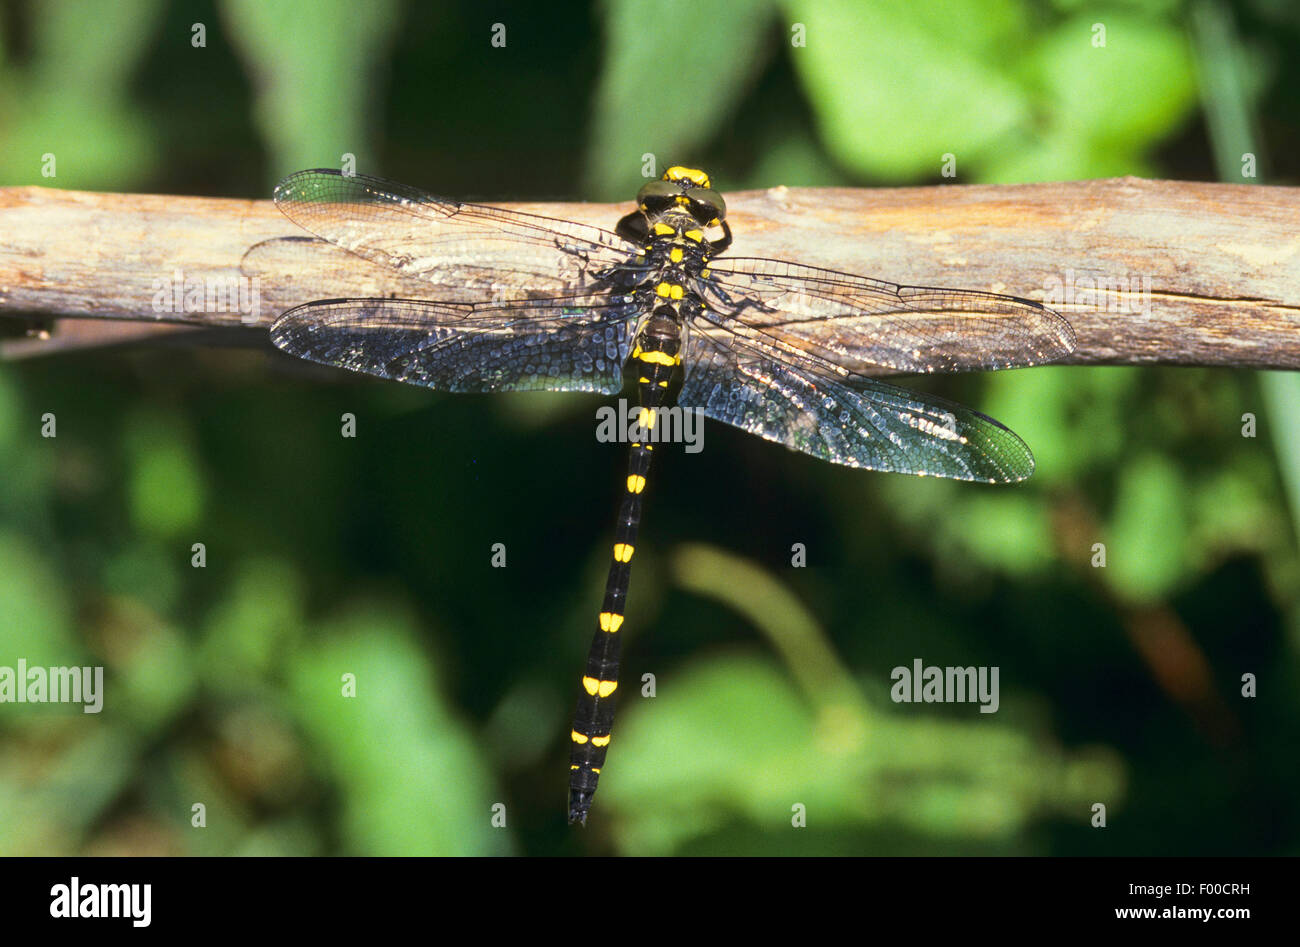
pixel 675 240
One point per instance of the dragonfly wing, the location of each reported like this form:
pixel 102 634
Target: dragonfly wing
pixel 813 406
pixel 493 252
pixel 565 344
pixel 861 322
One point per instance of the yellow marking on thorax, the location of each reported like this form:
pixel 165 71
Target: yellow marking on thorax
pixel 695 236
pixel 670 290
pixel 675 254
pixel 664 230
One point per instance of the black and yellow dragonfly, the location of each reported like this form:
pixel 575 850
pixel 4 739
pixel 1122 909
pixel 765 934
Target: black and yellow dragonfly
pixel 533 303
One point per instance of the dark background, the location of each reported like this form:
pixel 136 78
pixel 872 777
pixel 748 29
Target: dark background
pixel 1119 685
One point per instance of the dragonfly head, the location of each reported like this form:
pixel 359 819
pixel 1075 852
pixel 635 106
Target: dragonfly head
pixel 681 205
pixel 684 189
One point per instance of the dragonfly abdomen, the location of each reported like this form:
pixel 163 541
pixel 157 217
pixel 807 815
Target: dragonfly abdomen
pixel 655 355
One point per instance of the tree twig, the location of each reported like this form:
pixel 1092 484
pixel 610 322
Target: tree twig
pixel 1146 271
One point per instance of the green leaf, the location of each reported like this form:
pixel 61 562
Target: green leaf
pixel 35 611
pixel 166 486
pixel 1146 545
pixel 896 85
pixel 313 92
pixel 670 77
pixel 1123 96
pixel 413 782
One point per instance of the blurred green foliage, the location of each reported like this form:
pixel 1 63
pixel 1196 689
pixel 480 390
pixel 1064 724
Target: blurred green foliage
pixel 331 560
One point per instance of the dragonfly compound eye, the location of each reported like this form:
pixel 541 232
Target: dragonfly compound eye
pixel 706 205
pixel 657 196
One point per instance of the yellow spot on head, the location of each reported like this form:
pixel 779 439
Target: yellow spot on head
pixel 600 741
pixel 577 737
pixel 635 483
pixel 623 552
pixel 610 622
pixel 694 175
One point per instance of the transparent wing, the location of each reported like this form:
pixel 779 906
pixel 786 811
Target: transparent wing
pixel 294 270
pixel 487 252
pixel 567 344
pixel 858 322
pixel 812 406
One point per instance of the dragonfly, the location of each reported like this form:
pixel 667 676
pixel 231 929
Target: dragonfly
pixel 522 302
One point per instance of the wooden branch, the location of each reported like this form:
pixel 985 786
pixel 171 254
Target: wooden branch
pixel 1146 271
